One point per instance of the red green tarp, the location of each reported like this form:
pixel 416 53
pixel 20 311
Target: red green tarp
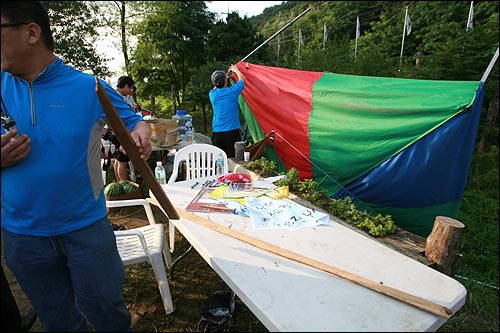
pixel 397 146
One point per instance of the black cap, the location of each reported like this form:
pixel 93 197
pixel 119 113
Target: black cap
pixel 123 80
pixel 218 78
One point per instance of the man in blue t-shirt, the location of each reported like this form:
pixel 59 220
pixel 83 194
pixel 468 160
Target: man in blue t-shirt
pixel 56 236
pixel 224 99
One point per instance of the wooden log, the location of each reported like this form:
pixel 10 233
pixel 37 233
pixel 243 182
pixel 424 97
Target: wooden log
pixel 442 243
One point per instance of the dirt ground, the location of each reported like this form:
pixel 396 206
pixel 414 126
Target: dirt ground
pixel 191 283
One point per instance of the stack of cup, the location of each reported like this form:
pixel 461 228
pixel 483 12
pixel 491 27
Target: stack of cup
pixel 239 148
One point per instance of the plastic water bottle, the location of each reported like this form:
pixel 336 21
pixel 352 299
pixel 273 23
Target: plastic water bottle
pixel 161 177
pixel 189 132
pixel 219 165
pixel 182 116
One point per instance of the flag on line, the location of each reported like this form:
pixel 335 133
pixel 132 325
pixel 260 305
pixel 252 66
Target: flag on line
pixel 470 20
pixel 325 35
pixel 408 23
pixel 358 28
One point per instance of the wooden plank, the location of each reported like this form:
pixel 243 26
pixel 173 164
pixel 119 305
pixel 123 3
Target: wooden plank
pixel 123 135
pixel 418 302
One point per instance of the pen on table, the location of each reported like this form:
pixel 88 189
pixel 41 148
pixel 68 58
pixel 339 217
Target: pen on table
pixel 225 209
pixel 194 185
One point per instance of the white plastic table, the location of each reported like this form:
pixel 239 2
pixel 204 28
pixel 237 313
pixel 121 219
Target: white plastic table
pixel 292 297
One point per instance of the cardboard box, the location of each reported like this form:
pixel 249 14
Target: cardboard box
pixel 164 132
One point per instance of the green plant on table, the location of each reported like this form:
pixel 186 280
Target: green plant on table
pixel 263 167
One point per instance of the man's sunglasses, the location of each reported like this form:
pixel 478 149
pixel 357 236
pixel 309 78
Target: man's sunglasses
pixel 5 25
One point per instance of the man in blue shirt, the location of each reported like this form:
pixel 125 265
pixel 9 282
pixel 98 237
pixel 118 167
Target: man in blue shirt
pixel 226 118
pixel 58 241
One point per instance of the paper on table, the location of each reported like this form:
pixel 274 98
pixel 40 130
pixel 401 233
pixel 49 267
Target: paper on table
pixel 237 207
pixel 266 182
pixel 267 213
pixel 222 192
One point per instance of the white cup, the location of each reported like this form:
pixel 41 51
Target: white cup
pixel 246 156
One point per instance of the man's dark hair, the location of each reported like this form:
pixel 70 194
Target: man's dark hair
pixel 30 11
pixel 218 78
pixel 123 80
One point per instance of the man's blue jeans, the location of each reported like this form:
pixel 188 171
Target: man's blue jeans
pixel 67 275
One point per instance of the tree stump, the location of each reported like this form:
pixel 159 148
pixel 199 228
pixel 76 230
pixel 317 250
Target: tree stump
pixel 442 243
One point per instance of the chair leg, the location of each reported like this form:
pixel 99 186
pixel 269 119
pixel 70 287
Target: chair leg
pixel 171 235
pixel 166 255
pixel 161 278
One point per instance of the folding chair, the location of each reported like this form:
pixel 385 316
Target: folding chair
pixel 145 244
pixel 199 160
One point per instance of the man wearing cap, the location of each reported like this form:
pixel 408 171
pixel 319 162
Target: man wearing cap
pixel 224 99
pixel 125 87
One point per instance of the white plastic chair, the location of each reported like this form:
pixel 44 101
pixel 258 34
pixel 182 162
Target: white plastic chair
pixel 145 244
pixel 200 162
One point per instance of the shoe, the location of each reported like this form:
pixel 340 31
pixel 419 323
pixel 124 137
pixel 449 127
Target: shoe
pixel 28 320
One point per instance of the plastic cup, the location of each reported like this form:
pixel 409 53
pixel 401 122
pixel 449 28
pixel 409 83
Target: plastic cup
pixel 246 156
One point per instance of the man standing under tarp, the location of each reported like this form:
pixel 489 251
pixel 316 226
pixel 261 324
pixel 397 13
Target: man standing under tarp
pixel 224 99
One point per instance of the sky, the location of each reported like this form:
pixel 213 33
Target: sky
pixel 248 8
pixel 244 8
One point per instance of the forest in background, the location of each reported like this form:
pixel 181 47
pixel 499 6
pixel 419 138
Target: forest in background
pixel 171 48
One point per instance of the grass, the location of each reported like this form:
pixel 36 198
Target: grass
pixel 479 246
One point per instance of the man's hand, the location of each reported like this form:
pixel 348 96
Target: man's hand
pixel 141 135
pixel 235 69
pixel 14 150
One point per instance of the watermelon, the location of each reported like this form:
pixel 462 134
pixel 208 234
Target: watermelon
pixel 128 186
pixel 114 189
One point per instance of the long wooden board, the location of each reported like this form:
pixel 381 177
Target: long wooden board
pixel 402 296
pixel 123 135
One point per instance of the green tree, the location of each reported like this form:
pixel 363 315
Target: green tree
pixel 170 43
pixel 231 41
pixel 74 28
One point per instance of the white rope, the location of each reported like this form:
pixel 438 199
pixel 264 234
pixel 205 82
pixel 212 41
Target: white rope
pixel 478 282
pixel 322 171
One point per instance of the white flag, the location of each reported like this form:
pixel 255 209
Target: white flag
pixel 301 39
pixel 279 44
pixel 358 31
pixel 325 34
pixel 358 28
pixel 470 20
pixel 408 23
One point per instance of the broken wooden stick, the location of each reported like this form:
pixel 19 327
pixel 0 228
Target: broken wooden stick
pixel 123 135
